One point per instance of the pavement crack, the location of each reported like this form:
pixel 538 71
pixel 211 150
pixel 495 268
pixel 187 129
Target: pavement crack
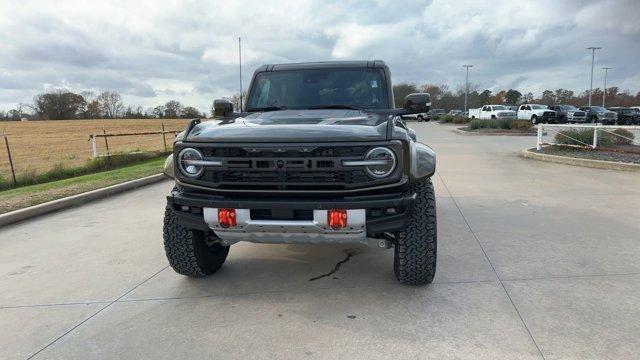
pixel 350 253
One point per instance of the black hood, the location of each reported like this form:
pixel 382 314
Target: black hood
pixel 294 126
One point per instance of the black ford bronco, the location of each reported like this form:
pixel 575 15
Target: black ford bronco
pixel 318 155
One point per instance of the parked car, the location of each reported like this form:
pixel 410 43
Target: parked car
pixel 420 117
pixel 569 113
pixel 492 112
pixel 307 162
pixel 536 113
pixel 598 114
pixel 437 112
pixel 455 112
pixel 626 116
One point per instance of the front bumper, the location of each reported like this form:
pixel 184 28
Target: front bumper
pixel 373 214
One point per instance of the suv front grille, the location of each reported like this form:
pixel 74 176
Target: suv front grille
pixel 287 167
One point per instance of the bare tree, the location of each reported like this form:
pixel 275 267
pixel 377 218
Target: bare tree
pixel 172 109
pixel 111 104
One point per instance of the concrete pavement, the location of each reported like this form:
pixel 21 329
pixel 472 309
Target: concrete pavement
pixel 534 260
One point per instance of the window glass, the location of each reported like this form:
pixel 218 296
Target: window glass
pixel 300 89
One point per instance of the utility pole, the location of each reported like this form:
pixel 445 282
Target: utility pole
pixel 593 55
pixel 240 64
pixel 604 93
pixel 466 86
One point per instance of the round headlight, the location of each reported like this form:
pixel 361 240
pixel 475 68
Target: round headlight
pixel 188 162
pixel 385 162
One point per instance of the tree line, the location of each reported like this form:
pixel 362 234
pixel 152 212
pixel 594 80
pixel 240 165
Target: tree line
pixel 67 105
pixel 442 97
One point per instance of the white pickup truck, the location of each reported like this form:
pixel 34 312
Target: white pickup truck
pixel 492 112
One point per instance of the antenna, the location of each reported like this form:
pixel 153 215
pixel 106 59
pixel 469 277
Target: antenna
pixel 240 63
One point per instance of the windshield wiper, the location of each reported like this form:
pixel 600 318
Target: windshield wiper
pixel 269 108
pixel 347 107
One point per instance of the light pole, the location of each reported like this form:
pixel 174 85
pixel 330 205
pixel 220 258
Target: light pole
pixel 466 86
pixel 240 66
pixel 604 93
pixel 593 55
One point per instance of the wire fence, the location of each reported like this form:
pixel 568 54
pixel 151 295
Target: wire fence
pixel 32 148
pixel 622 138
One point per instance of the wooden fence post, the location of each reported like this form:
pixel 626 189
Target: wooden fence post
pixel 6 143
pixel 164 139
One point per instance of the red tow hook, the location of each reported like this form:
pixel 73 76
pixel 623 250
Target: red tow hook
pixel 227 218
pixel 337 219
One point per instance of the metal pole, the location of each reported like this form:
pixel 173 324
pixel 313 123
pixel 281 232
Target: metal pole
pixel 6 143
pixel 604 93
pixel 240 64
pixel 593 55
pixel 595 136
pixel 466 86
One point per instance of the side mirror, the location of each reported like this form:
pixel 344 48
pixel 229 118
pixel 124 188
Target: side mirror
pixel 222 108
pixel 412 135
pixel 417 103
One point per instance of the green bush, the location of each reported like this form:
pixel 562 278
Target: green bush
pixel 444 119
pixel 490 124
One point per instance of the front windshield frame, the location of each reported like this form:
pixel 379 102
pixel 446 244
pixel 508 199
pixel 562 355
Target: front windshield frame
pixel 375 85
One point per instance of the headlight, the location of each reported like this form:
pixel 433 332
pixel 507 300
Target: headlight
pixel 190 162
pixel 382 160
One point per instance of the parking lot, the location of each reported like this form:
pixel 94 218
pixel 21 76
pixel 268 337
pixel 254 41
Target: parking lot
pixel 535 260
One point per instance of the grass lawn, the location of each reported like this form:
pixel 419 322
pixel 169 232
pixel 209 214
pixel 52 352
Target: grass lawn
pixel 36 194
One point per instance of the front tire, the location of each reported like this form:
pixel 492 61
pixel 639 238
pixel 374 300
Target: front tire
pixel 189 252
pixel 420 118
pixel 415 251
pixel 534 119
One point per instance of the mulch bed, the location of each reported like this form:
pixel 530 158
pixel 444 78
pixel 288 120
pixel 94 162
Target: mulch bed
pixel 625 154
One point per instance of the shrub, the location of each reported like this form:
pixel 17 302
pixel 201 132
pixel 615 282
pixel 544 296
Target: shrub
pixel 460 120
pixel 443 119
pixel 436 117
pixel 626 137
pixel 522 125
pixel 584 137
pixel 489 124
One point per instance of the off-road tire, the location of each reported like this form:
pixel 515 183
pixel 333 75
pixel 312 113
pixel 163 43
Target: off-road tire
pixel 420 118
pixel 415 250
pixel 534 119
pixel 187 250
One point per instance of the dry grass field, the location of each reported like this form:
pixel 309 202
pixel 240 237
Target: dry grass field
pixel 37 146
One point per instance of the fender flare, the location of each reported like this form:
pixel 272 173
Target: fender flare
pixel 423 160
pixel 169 167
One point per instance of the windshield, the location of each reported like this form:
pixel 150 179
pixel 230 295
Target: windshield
pixel 598 109
pixel 537 107
pixel 568 107
pixel 498 107
pixel 359 88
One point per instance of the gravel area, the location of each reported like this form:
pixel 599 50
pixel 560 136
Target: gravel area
pixel 605 155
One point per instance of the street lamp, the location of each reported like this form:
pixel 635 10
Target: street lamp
pixel 604 93
pixel 466 86
pixel 593 55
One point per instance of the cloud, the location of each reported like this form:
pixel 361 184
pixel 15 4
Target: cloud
pixel 154 51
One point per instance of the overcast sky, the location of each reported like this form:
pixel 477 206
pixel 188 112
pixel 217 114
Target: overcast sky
pixel 153 51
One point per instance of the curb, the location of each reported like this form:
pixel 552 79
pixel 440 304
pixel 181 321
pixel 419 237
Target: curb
pixel 75 200
pixel 489 133
pixel 597 164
